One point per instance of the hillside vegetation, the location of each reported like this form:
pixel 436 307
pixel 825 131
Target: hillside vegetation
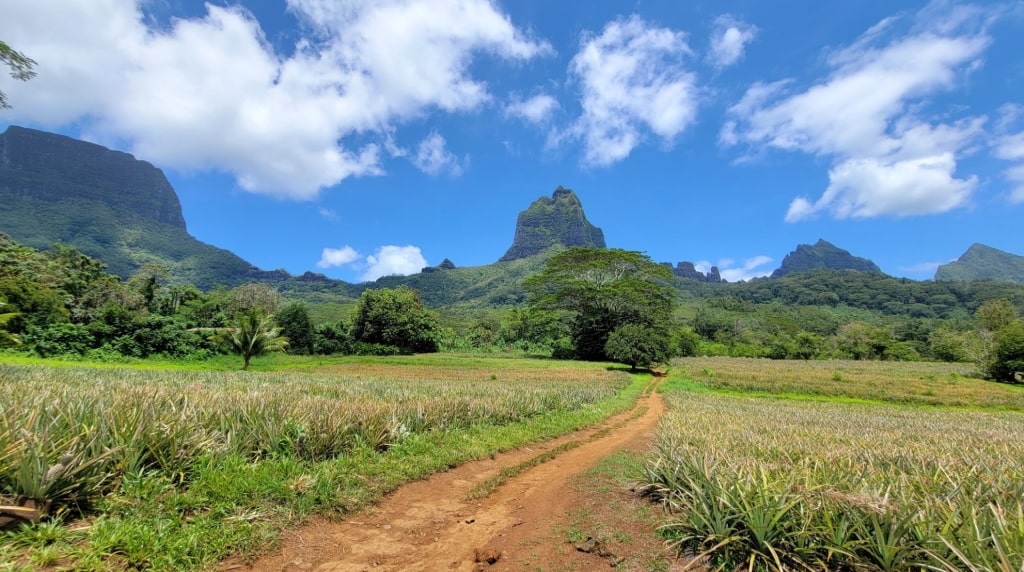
pixel 982 262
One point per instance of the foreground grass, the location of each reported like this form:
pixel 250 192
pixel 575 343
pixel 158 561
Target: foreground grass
pixel 804 483
pixel 178 470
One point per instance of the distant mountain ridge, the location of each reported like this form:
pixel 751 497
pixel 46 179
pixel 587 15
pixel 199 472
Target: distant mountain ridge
pixel 554 221
pixel 823 255
pixel 107 204
pixel 982 262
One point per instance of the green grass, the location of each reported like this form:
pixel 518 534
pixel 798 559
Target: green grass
pixel 179 469
pixel 908 383
pixel 835 476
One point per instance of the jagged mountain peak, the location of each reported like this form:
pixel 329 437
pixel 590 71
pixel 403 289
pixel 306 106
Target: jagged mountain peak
pixel 823 255
pixel 550 221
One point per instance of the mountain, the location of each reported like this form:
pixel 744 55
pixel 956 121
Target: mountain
pixel 689 271
pixel 108 205
pixel 823 255
pixel 982 262
pixel 549 222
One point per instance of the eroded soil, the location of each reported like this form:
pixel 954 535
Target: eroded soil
pixel 538 520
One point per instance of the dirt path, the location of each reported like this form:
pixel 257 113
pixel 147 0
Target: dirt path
pixel 430 526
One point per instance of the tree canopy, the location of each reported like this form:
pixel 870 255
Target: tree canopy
pixel 21 67
pixel 601 290
pixel 395 317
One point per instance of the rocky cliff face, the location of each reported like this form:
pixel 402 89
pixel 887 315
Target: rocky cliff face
pixel 982 262
pixel 108 205
pixel 689 271
pixel 54 168
pixel 551 221
pixel 823 255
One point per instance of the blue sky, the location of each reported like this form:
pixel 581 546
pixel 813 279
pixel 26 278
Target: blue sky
pixel 373 137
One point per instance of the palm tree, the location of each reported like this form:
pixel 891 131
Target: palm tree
pixel 253 334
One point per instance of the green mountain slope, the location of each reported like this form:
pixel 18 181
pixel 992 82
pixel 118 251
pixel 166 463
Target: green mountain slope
pixel 823 255
pixel 982 262
pixel 106 204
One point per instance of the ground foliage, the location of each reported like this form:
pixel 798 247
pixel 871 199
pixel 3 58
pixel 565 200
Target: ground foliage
pixel 810 482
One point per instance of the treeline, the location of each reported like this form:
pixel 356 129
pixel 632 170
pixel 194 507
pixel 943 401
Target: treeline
pixel 61 302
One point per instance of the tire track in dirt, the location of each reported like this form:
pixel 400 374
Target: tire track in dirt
pixel 430 525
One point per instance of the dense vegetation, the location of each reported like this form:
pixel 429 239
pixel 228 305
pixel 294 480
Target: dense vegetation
pixel 822 481
pixel 178 469
pixel 982 262
pixel 63 303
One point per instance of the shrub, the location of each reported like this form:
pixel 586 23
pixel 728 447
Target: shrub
pixel 1009 353
pixel 634 344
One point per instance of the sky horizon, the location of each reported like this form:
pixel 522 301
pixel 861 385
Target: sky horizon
pixel 376 137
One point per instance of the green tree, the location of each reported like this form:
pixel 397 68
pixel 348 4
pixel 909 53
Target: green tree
pixel 7 338
pixel 635 344
pixel 395 317
pixel 253 334
pixel 297 326
pixel 602 290
pixel 21 67
pixel 255 297
pixel 859 340
pixel 994 315
pixel 1008 362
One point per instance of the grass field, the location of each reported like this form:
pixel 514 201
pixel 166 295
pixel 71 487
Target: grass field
pixel 809 465
pixel 176 469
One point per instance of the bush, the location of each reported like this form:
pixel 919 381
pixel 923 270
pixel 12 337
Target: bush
pixel 60 339
pixel 634 344
pixel 1009 353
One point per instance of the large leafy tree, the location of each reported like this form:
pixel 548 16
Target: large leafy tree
pixel 251 335
pixel 634 344
pixel 601 290
pixel 297 326
pixel 395 317
pixel 1008 363
pixel 21 68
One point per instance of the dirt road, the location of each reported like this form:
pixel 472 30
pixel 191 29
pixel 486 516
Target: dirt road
pixel 430 526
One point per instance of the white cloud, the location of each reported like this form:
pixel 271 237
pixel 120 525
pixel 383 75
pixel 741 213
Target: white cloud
pixel 329 214
pixel 729 39
pixel 393 260
pixel 1016 176
pixel 727 269
pixel 212 93
pixel 867 116
pixel 1009 146
pixel 334 257
pixel 923 267
pixel 633 80
pixel 536 110
pixel 434 159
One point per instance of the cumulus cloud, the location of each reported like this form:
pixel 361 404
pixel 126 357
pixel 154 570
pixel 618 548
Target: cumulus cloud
pixel 727 268
pixel 729 39
pixel 633 81
pixel 212 92
pixel 335 257
pixel 433 158
pixel 868 116
pixel 536 110
pixel 392 261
